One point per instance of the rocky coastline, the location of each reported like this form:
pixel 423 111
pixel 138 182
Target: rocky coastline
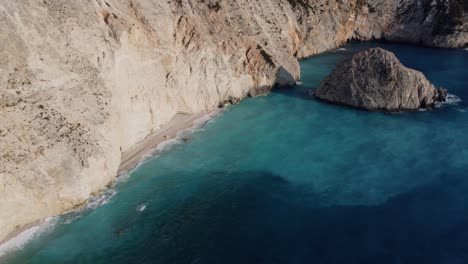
pixel 83 82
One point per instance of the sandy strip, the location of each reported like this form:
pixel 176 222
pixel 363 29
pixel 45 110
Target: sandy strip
pixel 20 230
pixel 132 157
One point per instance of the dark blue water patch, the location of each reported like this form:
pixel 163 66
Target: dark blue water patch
pixel 257 223
pixel 285 178
pixel 255 220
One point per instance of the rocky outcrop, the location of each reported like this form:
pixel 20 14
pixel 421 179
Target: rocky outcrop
pixel 81 82
pixel 376 80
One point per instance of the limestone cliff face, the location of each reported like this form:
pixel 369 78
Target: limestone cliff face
pixel 83 81
pixel 325 24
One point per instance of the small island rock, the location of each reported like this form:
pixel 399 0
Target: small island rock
pixel 375 80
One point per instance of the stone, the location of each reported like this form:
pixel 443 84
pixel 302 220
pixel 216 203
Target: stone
pixel 375 80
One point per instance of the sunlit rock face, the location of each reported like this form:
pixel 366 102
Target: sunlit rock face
pixel 375 80
pixel 82 81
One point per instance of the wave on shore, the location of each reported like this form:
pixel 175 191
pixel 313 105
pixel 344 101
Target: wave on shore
pixel 48 225
pixel 18 242
pixel 182 136
pixel 94 202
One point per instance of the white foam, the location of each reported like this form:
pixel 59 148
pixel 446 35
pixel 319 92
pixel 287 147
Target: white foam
pixel 93 203
pixel 99 200
pixel 141 207
pixel 185 134
pixel 181 137
pixel 18 242
pixel 450 100
pixel 165 145
pixel 202 121
pixel 453 99
pixel 46 226
pixel 70 219
pixel 340 49
pixel 148 155
pixel 124 177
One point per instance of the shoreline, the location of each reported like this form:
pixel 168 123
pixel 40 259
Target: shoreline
pixel 133 157
pixel 18 231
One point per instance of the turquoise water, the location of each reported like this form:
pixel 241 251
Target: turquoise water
pixel 284 178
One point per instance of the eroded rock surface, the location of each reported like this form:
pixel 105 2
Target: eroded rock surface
pixel 376 80
pixel 83 81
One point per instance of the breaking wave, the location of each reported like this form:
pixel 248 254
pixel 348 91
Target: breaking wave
pixel 453 99
pixel 182 136
pixel 450 100
pixel 48 225
pixel 18 242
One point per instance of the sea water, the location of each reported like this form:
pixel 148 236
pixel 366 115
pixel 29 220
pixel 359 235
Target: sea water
pixel 285 178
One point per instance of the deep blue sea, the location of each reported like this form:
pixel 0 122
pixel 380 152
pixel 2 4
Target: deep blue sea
pixel 285 178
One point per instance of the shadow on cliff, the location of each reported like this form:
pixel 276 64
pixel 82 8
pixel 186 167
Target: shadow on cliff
pixel 259 217
pixel 286 85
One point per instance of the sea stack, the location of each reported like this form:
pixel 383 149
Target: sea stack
pixel 375 80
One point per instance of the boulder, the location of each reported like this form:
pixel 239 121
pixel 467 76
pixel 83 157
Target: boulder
pixel 375 80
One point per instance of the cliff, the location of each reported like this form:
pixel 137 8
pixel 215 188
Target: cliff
pixel 81 82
